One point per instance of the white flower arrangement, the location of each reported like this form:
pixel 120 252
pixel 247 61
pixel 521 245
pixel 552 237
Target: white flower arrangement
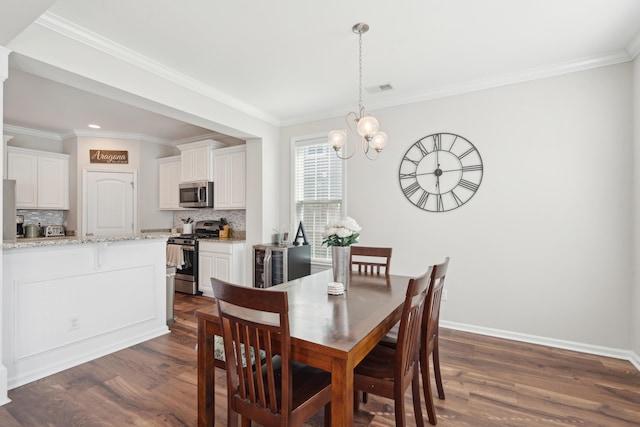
pixel 342 233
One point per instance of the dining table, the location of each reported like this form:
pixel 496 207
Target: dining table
pixel 331 332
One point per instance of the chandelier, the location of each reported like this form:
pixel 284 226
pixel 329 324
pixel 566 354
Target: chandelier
pixel 365 124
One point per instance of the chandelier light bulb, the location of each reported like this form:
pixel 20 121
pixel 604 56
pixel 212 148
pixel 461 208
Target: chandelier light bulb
pixel 368 126
pixel 337 139
pixel 378 141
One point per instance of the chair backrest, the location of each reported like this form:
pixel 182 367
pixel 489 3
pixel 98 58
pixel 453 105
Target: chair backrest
pixel 368 259
pixel 254 319
pixel 431 318
pixel 408 345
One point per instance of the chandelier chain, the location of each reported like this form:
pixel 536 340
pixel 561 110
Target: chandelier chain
pixel 360 107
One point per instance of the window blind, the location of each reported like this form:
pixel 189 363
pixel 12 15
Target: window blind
pixel 318 192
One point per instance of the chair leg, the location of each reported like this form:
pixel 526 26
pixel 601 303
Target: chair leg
pixel 364 397
pixel 399 408
pixel 436 369
pixel 356 400
pixel 426 385
pixel 415 390
pixel 327 415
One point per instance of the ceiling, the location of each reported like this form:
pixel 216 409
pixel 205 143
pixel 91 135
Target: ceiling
pixel 293 61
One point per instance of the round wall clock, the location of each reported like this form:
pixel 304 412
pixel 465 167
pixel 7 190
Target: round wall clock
pixel 440 172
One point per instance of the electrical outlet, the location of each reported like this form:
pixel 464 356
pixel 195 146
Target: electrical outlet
pixel 444 295
pixel 74 322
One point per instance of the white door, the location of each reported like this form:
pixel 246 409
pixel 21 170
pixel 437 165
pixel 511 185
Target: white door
pixel 110 203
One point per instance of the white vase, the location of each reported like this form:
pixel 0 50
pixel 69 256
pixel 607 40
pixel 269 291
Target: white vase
pixel 340 264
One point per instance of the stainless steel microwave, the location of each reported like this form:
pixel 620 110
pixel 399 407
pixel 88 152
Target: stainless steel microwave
pixel 198 194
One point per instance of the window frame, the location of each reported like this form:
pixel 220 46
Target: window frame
pixel 301 141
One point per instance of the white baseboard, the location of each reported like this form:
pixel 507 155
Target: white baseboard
pixel 550 342
pixel 4 398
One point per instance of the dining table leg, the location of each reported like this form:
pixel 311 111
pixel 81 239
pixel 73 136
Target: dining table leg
pixel 341 393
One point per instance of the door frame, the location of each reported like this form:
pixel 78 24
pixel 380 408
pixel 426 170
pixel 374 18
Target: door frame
pixel 85 198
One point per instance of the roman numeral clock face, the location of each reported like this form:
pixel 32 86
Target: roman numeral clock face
pixel 440 172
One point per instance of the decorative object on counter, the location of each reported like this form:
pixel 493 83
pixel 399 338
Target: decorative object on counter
pixel 340 236
pixel 31 231
pixel 366 125
pixel 300 235
pixel 335 288
pixel 285 233
pixel 187 226
pixel 275 237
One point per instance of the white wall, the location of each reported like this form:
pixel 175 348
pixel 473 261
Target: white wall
pixel 635 293
pixel 544 247
pixel 149 217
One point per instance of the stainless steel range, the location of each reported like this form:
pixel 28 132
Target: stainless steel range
pixel 186 279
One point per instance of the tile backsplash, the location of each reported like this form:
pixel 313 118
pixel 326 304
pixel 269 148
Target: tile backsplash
pixel 42 217
pixel 236 218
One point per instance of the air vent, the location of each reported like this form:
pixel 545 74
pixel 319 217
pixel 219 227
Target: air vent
pixel 381 88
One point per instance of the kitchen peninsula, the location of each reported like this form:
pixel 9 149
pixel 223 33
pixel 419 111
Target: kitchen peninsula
pixel 67 301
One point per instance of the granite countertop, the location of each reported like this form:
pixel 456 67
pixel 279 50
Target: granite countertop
pixel 74 240
pixel 234 239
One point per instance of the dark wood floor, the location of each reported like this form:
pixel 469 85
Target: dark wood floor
pixel 488 382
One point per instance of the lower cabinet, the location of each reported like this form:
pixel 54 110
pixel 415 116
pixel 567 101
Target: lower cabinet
pixel 224 261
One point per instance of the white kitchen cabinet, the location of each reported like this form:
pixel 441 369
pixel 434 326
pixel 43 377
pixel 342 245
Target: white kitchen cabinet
pixel 229 170
pixel 197 161
pixel 42 178
pixel 169 178
pixel 224 261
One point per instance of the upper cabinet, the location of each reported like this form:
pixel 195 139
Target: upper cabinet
pixel 169 178
pixel 229 180
pixel 197 161
pixel 42 178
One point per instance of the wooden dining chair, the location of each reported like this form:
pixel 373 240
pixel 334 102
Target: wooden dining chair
pixel 387 371
pixel 277 391
pixel 429 340
pixel 368 259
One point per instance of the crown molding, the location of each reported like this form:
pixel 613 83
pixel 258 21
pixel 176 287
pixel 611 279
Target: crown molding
pixel 75 32
pixel 19 130
pixel 553 70
pixel 4 63
pixel 76 133
pixel 633 48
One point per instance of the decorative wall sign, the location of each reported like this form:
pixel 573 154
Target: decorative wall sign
pixel 440 172
pixel 109 156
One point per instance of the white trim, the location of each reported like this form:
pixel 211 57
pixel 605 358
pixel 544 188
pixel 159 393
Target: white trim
pixel 550 342
pixel 115 135
pixel 633 48
pixel 32 132
pixel 4 63
pixel 19 130
pixel 75 32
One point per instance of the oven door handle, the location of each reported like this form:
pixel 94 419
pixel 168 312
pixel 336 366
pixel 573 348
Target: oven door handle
pixel 189 248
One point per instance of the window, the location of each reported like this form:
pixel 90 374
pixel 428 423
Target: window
pixel 318 190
